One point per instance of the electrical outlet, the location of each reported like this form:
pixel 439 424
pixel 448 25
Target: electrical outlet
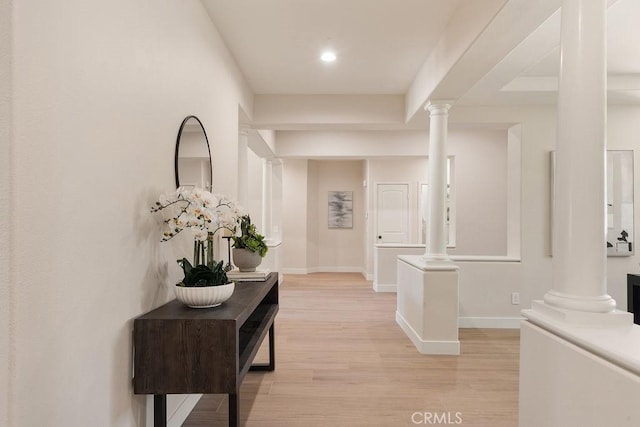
pixel 515 298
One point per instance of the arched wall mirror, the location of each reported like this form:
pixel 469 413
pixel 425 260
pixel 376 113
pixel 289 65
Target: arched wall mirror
pixel 193 157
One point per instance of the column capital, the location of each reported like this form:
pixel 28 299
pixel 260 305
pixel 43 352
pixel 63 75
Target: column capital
pixel 438 106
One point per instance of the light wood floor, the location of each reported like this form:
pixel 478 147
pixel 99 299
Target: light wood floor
pixel 341 360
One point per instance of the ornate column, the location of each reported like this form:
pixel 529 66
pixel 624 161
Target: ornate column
pixel 436 249
pixel 579 263
pixel 267 176
pixel 243 166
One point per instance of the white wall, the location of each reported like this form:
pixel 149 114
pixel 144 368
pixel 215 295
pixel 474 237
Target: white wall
pixel 277 202
pixel 340 249
pixel 351 144
pixel 481 192
pixel 100 89
pixel 308 244
pixel 294 216
pixel 7 350
pixel 313 110
pixel 313 240
pixel 254 192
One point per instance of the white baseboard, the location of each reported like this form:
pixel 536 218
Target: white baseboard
pixel 490 322
pixel 391 287
pixel 369 277
pixel 295 271
pixel 427 347
pixel 323 270
pixel 178 417
pixel 337 270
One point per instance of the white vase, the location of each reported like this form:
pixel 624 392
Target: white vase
pixel 246 260
pixel 204 296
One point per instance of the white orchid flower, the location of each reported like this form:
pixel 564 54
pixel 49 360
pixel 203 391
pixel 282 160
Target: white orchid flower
pixel 201 235
pixel 198 210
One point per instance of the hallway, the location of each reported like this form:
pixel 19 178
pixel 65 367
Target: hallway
pixel 341 360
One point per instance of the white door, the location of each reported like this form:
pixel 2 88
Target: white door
pixel 393 213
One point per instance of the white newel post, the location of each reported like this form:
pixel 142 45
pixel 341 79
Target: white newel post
pixel 427 285
pixel 267 176
pixel 243 167
pixel 579 241
pixel 436 248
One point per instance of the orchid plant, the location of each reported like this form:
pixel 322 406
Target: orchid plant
pixel 201 212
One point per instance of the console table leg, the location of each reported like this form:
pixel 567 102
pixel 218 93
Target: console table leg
pixel 160 410
pixel 272 348
pixel 234 410
pixel 271 366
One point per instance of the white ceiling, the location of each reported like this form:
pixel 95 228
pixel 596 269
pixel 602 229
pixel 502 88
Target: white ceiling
pixel 380 44
pixel 383 44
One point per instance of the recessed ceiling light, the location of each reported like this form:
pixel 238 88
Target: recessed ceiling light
pixel 328 56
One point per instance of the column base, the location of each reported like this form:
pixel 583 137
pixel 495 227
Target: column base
pixel 597 304
pixel 543 313
pixel 437 258
pixel 427 309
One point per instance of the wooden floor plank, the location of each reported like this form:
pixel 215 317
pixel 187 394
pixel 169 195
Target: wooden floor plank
pixel 341 360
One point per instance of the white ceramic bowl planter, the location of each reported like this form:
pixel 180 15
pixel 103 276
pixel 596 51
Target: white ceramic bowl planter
pixel 204 296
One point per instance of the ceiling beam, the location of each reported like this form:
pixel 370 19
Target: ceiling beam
pixel 468 21
pixel 450 75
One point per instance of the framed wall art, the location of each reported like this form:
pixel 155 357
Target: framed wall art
pixel 340 209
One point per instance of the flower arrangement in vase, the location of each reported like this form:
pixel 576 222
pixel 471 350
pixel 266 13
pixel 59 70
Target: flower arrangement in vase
pixel 203 213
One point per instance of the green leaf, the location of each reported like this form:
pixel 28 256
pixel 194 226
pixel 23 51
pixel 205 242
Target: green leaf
pixel 250 238
pixel 201 275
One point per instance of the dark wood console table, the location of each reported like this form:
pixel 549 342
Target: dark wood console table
pixel 182 350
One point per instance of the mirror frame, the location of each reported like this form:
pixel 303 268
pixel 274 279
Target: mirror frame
pixel 175 162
